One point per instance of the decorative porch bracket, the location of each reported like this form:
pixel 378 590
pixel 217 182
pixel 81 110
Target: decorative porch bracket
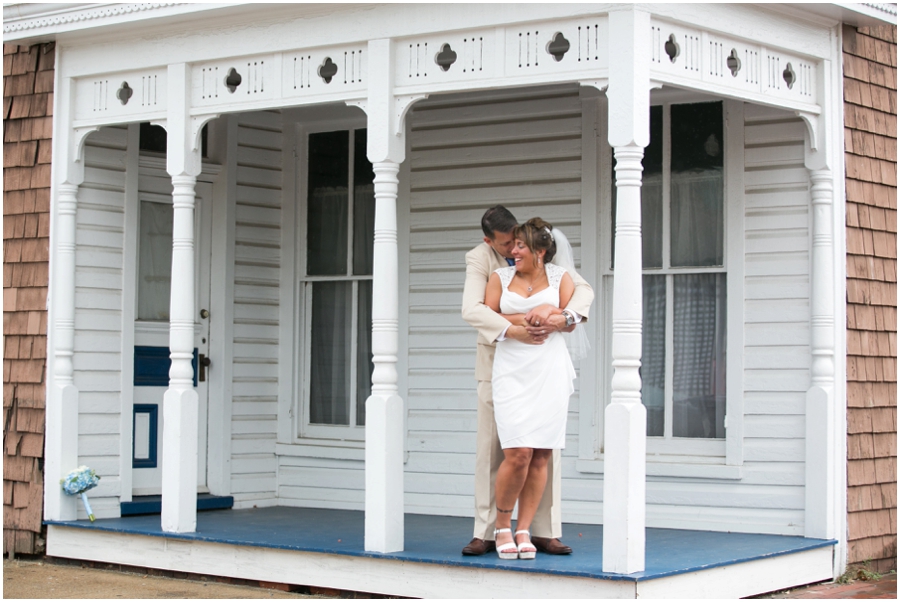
pixel 384 408
pixel 180 402
pixel 61 454
pixel 625 423
pixel 821 442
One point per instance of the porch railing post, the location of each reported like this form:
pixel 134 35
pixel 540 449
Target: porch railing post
pixel 180 402
pixel 626 418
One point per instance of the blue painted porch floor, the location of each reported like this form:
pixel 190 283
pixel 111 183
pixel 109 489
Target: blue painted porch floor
pixel 439 540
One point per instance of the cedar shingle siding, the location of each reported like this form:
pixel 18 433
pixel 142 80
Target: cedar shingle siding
pixel 27 128
pixel 870 144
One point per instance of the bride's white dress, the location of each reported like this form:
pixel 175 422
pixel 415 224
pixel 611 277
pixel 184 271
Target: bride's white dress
pixel 532 383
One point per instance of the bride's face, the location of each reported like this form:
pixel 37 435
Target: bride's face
pixel 526 261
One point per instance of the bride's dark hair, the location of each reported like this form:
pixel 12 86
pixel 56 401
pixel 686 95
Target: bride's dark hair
pixel 535 233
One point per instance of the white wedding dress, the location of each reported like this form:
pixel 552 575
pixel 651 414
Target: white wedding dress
pixel 532 383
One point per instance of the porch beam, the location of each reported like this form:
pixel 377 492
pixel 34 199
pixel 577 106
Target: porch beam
pixel 386 148
pixel 180 402
pixel 625 424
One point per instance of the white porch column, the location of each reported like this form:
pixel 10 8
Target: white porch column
pixel 823 446
pixel 61 437
pixel 820 493
pixel 820 496
pixel 180 402
pixel 625 424
pixel 62 401
pixel 384 407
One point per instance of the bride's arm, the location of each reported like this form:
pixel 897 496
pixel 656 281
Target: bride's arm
pixel 492 299
pixel 492 292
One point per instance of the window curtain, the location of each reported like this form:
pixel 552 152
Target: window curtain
pixel 155 261
pixel 653 354
pixel 327 232
pixel 364 364
pixel 697 207
pixel 699 370
pixel 330 352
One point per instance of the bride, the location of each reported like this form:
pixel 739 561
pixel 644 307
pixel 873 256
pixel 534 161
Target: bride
pixel 531 383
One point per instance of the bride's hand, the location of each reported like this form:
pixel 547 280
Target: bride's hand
pixel 541 314
pixel 555 323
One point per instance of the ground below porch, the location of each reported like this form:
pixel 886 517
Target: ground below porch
pixel 324 548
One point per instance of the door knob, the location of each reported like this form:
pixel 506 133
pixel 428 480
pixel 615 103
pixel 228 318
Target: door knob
pixel 204 314
pixel 203 363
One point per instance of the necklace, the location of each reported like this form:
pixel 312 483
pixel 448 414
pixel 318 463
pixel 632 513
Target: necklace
pixel 534 281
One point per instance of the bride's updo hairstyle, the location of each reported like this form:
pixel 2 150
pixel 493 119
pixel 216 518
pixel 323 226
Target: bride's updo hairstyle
pixel 535 233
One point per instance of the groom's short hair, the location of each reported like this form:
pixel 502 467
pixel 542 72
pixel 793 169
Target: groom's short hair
pixel 497 219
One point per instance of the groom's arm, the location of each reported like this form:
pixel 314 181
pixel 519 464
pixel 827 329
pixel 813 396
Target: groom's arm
pixel 582 298
pixel 489 323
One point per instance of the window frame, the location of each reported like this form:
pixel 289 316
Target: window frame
pixel 303 430
pixel 676 456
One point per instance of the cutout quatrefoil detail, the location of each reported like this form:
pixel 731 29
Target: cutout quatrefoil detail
pixel 327 70
pixel 445 57
pixel 124 93
pixel 558 47
pixel 789 76
pixel 733 62
pixel 672 48
pixel 233 80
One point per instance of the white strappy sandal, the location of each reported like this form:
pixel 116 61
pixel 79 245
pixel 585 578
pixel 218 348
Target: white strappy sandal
pixel 523 548
pixel 509 550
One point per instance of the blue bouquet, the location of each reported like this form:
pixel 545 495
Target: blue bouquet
pixel 78 482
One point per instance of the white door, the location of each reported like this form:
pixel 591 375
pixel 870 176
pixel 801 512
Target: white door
pixel 151 327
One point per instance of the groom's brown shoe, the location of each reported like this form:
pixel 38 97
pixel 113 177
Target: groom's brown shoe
pixel 479 547
pixel 550 546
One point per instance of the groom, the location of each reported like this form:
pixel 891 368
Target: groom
pixel 498 224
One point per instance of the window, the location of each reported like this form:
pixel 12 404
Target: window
pixel 336 285
pixel 155 260
pixel 684 278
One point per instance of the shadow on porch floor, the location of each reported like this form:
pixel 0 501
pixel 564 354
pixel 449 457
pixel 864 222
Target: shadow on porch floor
pixel 439 539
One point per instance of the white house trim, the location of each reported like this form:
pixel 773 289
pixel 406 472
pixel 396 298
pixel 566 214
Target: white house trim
pixel 385 75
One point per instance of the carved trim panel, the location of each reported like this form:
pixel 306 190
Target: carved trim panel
pixel 683 53
pixel 120 96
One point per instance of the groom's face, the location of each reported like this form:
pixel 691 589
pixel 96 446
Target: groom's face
pixel 503 243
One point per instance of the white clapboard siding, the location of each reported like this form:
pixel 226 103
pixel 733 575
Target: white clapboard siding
pixel 521 149
pixel 256 334
pixel 99 238
pixel 467 152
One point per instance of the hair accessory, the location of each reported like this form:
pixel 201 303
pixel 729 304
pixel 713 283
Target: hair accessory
pixel 548 231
